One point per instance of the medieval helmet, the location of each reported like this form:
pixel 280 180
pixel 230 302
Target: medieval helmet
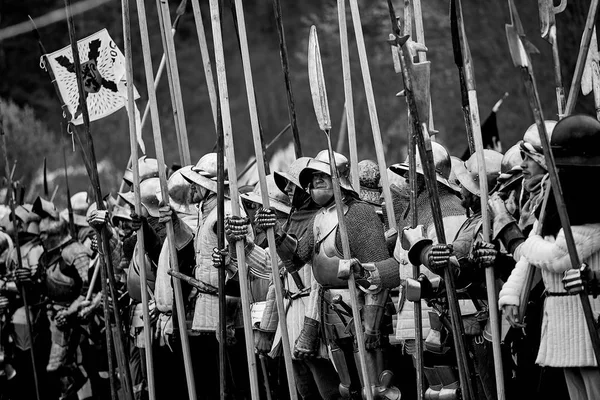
pixel 148 198
pixel 204 173
pixel 180 192
pixel 532 144
pixel 467 173
pixel 44 208
pixel 576 142
pixel 148 168
pixel 80 204
pixel 292 174
pixel 277 199
pixel 30 220
pixel 510 168
pixel 119 212
pixel 441 161
pixel 369 177
pixel 321 164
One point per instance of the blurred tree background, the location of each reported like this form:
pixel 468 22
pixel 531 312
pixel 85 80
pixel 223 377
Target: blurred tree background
pixel 33 116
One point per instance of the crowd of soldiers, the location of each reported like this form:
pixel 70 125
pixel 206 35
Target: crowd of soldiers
pixel 547 354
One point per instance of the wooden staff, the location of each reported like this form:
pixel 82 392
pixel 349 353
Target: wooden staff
pixel 319 96
pixel 208 74
pixel 162 174
pixel 515 35
pixel 173 75
pixel 285 65
pixel 10 192
pixel 412 174
pixel 364 66
pixel 409 72
pixel 107 271
pixel 233 188
pixel 584 47
pixel 490 279
pixel 137 202
pixel 262 180
pixel 348 98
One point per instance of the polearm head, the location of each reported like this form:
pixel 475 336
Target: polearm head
pixel 455 33
pixel 547 12
pixel 317 82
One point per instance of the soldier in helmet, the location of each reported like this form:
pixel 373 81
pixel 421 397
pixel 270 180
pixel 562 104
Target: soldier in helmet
pixel 565 341
pixel 80 204
pixel 371 264
pixel 453 216
pixel 470 258
pixel 148 168
pixel 65 262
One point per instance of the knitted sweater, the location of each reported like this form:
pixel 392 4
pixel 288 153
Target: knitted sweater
pixel 565 341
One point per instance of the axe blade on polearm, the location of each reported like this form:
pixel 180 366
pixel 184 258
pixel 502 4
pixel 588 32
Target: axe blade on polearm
pixel 521 59
pixel 547 12
pixel 590 80
pixel 320 103
pixel 411 74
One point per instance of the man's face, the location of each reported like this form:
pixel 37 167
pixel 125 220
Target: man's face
pixel 321 180
pixel 197 193
pixel 290 189
pixel 465 197
pixel 530 167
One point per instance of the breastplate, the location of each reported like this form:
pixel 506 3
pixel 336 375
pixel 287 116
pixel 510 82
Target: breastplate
pixel 326 257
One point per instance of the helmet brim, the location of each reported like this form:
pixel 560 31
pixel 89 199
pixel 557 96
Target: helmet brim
pixel 78 220
pixel 466 179
pixel 402 168
pixel 307 172
pixel 276 204
pixel 201 178
pixel 129 198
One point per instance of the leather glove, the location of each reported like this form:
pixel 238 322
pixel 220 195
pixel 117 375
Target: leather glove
pixel 136 221
pixel 497 205
pixel 307 343
pixel 266 218
pixel 165 214
pixel 220 258
pixel 484 254
pixel 23 275
pixel 97 219
pixel 3 304
pixel 438 257
pixel 236 228
pixel 263 341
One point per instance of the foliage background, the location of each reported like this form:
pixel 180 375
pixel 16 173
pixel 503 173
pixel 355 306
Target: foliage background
pixel 33 115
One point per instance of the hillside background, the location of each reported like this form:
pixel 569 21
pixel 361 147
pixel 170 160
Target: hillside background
pixel 33 116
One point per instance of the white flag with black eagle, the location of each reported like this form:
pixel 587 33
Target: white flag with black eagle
pixel 103 76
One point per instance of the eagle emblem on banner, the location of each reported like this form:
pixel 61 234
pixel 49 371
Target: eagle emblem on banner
pixel 103 77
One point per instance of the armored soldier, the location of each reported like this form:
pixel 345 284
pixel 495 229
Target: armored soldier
pixel 65 262
pixel 565 341
pixel 471 259
pixel 372 265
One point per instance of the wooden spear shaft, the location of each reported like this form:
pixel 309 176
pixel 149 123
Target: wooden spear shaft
pixel 137 201
pixel 349 101
pixel 581 57
pixel 260 163
pixel 285 65
pixel 173 75
pixel 162 174
pixel 490 279
pixel 95 181
pixel 364 66
pixel 233 188
pixel 208 74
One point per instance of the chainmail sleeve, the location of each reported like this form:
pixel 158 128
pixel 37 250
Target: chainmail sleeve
pixel 367 242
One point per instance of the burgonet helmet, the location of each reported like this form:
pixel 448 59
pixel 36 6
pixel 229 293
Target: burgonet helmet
pixel 277 199
pixel 532 144
pixel 321 164
pixel 80 204
pixel 180 192
pixel 510 168
pixel 441 161
pixel 292 174
pixel 204 173
pixel 148 168
pixel 369 178
pixel 576 142
pixel 44 208
pixel 467 173
pixel 148 190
